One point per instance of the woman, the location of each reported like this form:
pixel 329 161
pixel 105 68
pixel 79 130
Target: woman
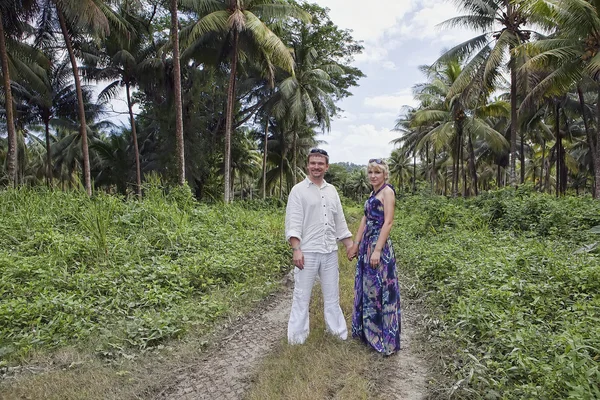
pixel 376 316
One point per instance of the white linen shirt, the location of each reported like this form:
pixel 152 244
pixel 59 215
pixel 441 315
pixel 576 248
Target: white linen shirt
pixel 314 215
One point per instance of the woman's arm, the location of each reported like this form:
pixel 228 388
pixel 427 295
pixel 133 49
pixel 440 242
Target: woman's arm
pixel 353 251
pixel 389 203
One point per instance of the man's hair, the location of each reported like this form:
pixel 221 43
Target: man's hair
pixel 319 153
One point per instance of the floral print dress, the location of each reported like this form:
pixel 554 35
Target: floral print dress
pixel 376 318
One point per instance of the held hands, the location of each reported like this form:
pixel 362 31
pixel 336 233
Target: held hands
pixel 352 251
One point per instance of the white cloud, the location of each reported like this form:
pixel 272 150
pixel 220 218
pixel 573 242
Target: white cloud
pixel 367 23
pixel 358 143
pixel 391 102
pixel 389 65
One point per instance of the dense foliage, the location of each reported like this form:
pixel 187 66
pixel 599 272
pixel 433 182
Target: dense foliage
pixel 254 90
pixel 513 279
pixel 126 274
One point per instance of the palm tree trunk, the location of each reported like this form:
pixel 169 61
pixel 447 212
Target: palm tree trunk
pixel 229 116
pixel 513 120
pixel 281 178
pixel 87 181
pixel 138 171
pixel 295 154
pixel 434 182
pixel 563 164
pixel 11 156
pixel 414 185
pixel 462 165
pixel 48 154
pixel 589 139
pixel 522 155
pixel 264 182
pixel 178 98
pixel 558 145
pixel 472 165
pixel 241 186
pixel 596 152
pixel 541 187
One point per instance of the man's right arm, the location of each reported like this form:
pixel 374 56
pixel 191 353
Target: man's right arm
pixel 294 216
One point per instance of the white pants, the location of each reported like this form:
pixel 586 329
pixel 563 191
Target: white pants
pixel 326 267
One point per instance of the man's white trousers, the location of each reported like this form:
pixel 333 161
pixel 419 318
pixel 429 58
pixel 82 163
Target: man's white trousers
pixel 326 267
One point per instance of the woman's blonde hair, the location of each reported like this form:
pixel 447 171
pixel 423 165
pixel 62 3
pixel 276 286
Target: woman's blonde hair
pixel 379 164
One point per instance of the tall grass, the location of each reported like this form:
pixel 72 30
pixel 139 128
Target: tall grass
pixel 513 286
pixel 124 275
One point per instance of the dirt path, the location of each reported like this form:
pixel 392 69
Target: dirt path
pixel 406 378
pixel 226 369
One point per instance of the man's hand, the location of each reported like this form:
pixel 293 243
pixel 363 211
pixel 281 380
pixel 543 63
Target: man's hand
pixel 298 259
pixel 352 251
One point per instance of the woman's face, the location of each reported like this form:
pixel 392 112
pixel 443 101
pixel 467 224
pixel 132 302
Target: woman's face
pixel 376 177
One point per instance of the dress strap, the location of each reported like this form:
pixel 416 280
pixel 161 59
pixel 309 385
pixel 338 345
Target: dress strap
pixel 381 188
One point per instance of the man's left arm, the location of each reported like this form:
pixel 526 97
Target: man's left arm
pixel 342 233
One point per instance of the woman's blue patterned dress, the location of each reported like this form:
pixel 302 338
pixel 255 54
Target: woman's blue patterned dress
pixel 376 318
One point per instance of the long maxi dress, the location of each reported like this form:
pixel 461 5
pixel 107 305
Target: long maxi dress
pixel 376 318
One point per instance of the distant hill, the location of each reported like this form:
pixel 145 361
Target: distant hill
pixel 350 167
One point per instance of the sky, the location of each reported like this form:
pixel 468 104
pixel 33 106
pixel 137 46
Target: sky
pixel 396 42
pixel 398 36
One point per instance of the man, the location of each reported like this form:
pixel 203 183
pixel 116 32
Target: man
pixel 314 223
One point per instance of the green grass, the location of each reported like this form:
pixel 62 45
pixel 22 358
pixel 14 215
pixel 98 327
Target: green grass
pixel 125 275
pixel 112 293
pixel 514 300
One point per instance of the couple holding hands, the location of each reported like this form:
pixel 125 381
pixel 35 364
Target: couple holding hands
pixel 314 223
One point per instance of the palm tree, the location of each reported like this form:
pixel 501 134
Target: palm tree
pixel 77 18
pixel 240 22
pixel 488 51
pixel 448 116
pixel 177 90
pixel 13 15
pixel 570 57
pixel 399 164
pixel 307 95
pixel 53 105
pixel 358 184
pixel 125 59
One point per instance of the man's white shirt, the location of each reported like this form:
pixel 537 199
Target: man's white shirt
pixel 314 215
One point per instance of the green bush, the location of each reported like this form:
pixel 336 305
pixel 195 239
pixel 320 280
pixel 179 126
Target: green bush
pixel 516 306
pixel 131 272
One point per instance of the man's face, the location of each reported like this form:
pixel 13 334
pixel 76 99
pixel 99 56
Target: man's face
pixel 317 166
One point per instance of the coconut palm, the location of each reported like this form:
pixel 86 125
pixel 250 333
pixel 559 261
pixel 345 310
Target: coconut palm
pixel 13 17
pixel 242 23
pixel 449 116
pixel 124 61
pixel 308 95
pixel 570 56
pixel 173 8
pixel 75 19
pixel 399 164
pixel 503 26
pixel 53 105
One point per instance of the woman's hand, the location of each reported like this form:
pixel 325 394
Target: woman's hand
pixel 352 251
pixel 375 258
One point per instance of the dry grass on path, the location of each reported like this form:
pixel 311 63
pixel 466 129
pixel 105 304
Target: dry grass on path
pixel 327 368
